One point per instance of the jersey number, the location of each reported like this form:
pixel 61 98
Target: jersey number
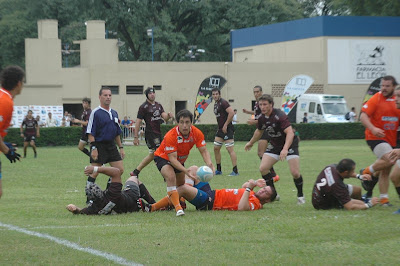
pixel 323 183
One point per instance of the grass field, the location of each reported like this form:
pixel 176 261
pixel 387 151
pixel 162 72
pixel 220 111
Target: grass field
pixel 35 227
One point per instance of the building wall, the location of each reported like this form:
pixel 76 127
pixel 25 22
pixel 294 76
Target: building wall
pixel 270 65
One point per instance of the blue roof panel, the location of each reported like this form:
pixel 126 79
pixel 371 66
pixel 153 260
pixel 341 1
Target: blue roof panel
pixel 316 27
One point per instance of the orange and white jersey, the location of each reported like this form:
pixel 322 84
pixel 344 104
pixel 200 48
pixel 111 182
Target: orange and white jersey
pixel 174 141
pixel 6 110
pixel 383 114
pixel 228 199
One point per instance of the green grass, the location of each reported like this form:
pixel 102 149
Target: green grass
pixel 36 191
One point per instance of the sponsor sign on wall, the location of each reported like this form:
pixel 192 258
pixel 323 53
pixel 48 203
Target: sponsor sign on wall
pixel 20 112
pixel 361 61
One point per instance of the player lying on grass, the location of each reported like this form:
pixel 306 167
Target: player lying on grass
pixel 203 197
pixel 113 200
pixel 331 192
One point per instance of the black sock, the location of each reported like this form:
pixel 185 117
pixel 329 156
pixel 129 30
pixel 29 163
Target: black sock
pixel 218 167
pixel 269 179
pixel 86 151
pixel 299 185
pixel 398 191
pixel 235 169
pixel 272 171
pixel 374 181
pixel 145 194
pixel 108 183
pixel 91 179
pixel 136 172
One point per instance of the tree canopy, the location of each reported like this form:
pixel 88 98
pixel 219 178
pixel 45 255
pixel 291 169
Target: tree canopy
pixel 176 24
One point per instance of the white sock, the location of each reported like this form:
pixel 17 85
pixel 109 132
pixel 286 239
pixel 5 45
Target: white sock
pixel 371 169
pixel 381 196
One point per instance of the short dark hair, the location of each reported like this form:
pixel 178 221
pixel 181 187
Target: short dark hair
pixel 258 86
pixel 266 97
pixel 353 108
pixel 30 111
pixel 10 76
pixel 392 79
pixel 103 89
pixel 345 165
pixel 216 89
pixel 184 113
pixel 86 99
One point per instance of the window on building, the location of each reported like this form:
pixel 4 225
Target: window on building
pixel 157 87
pixel 137 89
pixel 311 108
pixel 114 89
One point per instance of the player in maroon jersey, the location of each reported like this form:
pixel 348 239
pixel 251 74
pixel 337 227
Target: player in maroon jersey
pixel 31 132
pixel 283 143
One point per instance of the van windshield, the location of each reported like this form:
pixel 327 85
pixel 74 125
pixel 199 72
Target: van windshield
pixel 335 108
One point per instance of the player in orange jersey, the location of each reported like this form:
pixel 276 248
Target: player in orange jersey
pixel 381 120
pixel 203 197
pixel 170 157
pixel 12 82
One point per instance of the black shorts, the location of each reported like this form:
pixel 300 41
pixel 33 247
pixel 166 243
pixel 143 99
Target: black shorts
pixel 84 136
pixel 28 138
pixel 373 143
pixel 265 136
pixel 107 153
pixel 153 140
pixel 229 134
pixel 132 190
pixel 277 150
pixel 160 162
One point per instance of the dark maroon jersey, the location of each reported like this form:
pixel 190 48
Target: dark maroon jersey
pixel 85 117
pixel 30 126
pixel 123 202
pixel 275 125
pixel 257 111
pixel 220 112
pixel 151 114
pixel 329 190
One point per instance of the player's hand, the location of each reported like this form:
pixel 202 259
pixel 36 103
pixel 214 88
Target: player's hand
pixel 170 115
pixel 122 153
pixel 190 174
pixel 366 177
pixel 251 184
pixel 248 146
pixel 38 135
pixel 225 129
pixel 22 135
pixel 11 154
pixel 377 132
pixel 374 201
pixel 394 155
pixel 88 170
pixel 252 122
pixel 73 208
pixel 261 182
pixel 95 154
pixel 283 155
pixel 136 141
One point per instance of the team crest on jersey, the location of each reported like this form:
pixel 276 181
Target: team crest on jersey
pixel 156 113
pixel 235 191
pixel 180 139
pixel 203 142
pixel 365 106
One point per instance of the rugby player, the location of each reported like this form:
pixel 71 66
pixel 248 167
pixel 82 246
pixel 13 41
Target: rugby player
pixel 226 131
pixel 31 127
pixel 174 150
pixel 84 122
pixel 283 143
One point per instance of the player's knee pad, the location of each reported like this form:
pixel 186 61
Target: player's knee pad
pixel 217 143
pixel 229 144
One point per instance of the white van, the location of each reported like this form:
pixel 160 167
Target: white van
pixel 320 108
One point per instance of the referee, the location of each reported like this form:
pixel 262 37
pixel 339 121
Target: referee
pixel 103 133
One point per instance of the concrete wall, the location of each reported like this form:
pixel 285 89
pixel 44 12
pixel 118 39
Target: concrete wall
pixel 270 66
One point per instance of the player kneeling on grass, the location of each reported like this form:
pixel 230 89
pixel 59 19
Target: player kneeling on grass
pixel 203 197
pixel 113 200
pixel 330 192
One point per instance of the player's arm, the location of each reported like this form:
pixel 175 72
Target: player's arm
pixel 248 112
pixel 288 142
pixel 112 172
pixel 21 129
pixel 244 200
pixel 206 157
pixel 138 124
pixel 256 136
pixel 231 113
pixel 74 209
pixel 355 204
pixel 121 148
pixel 365 120
pixel 37 130
pixel 3 147
pixel 166 116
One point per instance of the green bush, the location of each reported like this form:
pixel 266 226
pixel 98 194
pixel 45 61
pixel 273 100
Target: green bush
pixel 65 136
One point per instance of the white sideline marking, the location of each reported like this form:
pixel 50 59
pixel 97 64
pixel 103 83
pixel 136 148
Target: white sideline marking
pixel 80 226
pixel 108 256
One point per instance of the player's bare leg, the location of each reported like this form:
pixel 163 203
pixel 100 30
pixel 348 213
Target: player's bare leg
pixel 229 144
pixel 294 166
pixel 167 171
pixel 218 142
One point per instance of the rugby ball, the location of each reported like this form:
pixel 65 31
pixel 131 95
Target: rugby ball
pixel 204 174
